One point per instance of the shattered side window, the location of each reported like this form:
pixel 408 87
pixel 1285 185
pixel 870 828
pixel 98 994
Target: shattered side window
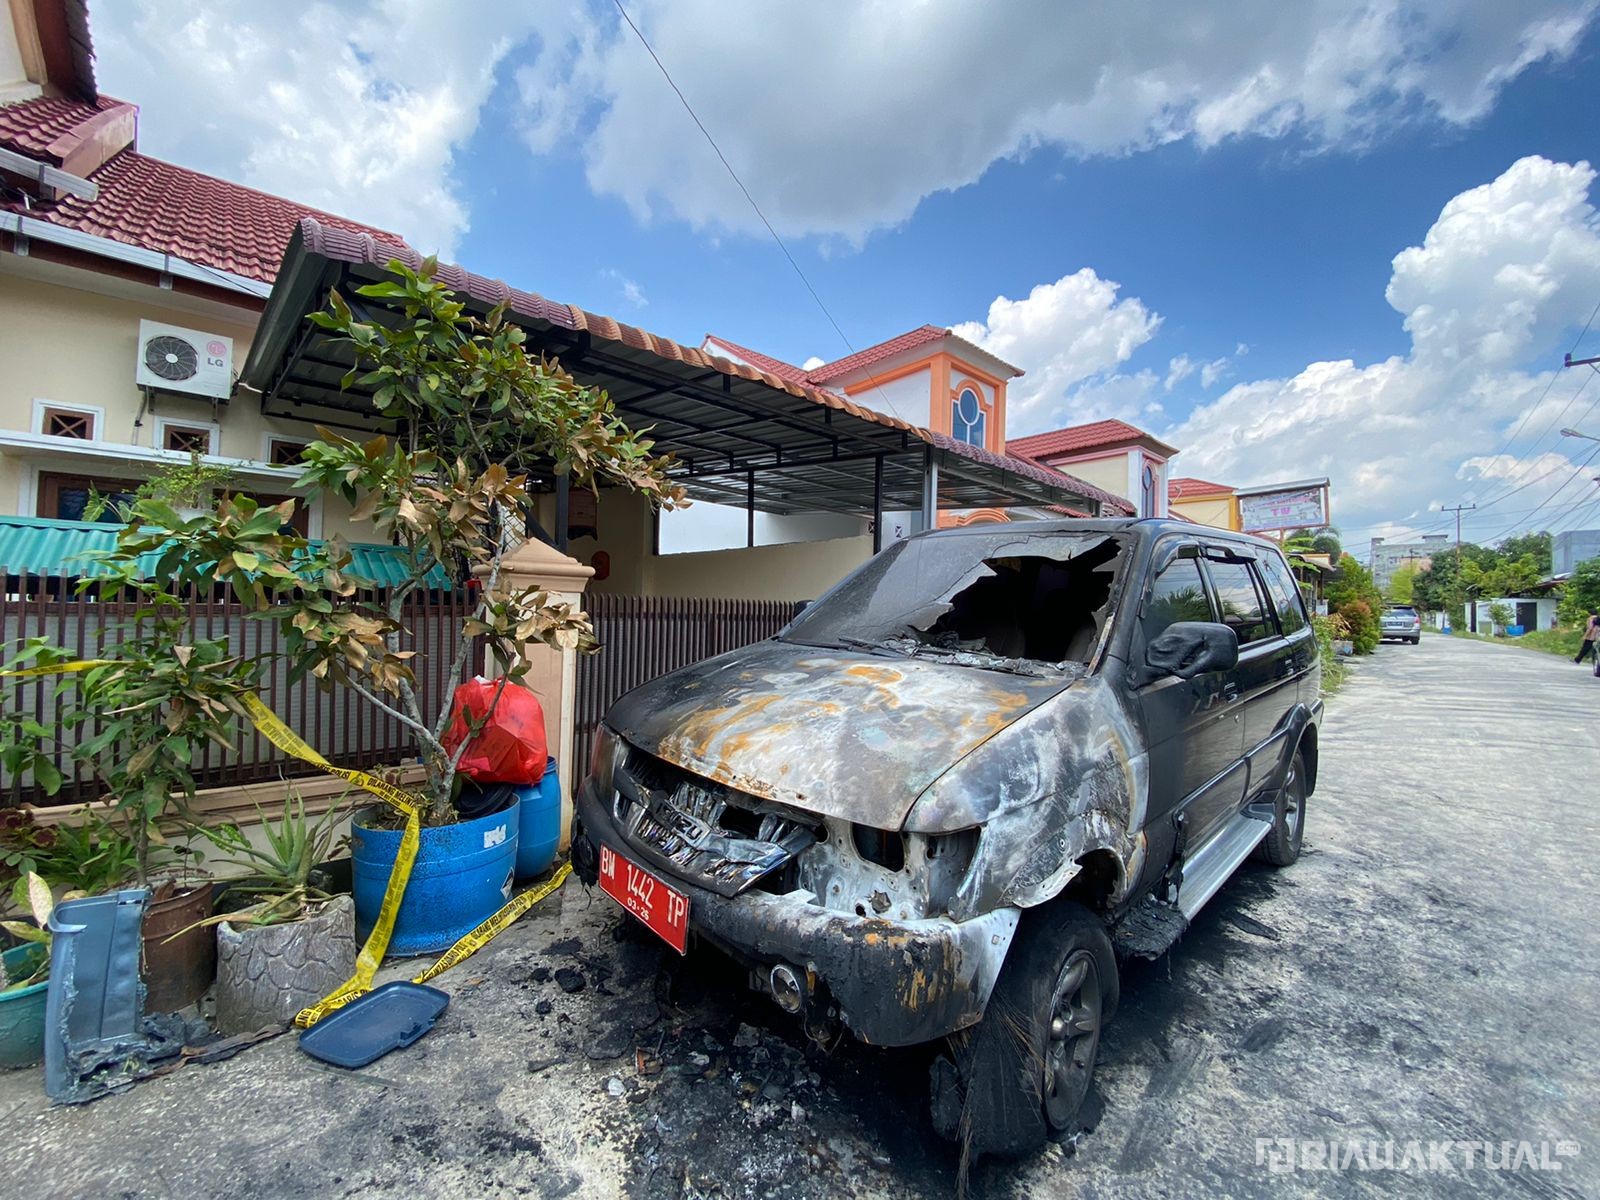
pixel 1042 598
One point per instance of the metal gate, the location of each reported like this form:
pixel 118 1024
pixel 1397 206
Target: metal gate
pixel 642 637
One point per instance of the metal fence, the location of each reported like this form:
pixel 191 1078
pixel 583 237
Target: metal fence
pixel 642 637
pixel 344 727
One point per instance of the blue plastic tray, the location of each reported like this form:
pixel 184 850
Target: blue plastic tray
pixel 386 1018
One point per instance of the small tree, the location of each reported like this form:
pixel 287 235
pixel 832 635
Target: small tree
pixel 136 720
pixel 1353 595
pixel 1502 615
pixel 1580 595
pixel 1402 585
pixel 483 417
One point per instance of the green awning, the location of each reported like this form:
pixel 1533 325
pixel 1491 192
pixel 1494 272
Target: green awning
pixel 45 546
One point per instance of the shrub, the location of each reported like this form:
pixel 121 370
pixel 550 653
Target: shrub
pixel 1330 629
pixel 1363 624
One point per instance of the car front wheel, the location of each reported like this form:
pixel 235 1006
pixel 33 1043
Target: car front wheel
pixel 1022 1074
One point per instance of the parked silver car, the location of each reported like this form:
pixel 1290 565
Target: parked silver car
pixel 1401 623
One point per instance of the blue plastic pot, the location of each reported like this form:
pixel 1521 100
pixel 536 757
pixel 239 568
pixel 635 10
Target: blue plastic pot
pixel 539 818
pixel 22 1011
pixel 462 875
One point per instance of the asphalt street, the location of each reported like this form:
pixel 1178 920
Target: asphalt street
pixel 1424 977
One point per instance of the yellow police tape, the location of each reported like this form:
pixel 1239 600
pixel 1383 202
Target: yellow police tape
pixel 66 668
pixel 411 804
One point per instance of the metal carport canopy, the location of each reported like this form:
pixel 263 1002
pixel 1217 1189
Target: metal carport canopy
pixel 743 437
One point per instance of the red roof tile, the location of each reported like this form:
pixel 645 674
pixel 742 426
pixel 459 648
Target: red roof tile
pixel 1189 489
pixel 153 204
pixel 35 127
pixel 763 362
pixel 1037 472
pixel 1075 438
pixel 875 354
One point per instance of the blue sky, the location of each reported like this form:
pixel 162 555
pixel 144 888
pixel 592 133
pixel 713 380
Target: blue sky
pixel 1194 223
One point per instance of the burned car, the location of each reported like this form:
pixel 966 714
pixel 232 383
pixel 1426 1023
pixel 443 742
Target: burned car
pixel 944 799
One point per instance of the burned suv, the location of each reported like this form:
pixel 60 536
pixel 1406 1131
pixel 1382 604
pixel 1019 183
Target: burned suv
pixel 948 795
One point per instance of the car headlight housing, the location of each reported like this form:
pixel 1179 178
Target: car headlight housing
pixel 605 755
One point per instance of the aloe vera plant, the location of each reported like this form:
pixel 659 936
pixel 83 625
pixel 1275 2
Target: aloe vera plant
pixel 295 845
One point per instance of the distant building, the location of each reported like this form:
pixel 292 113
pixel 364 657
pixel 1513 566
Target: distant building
pixel 1113 455
pixel 1573 546
pixel 1389 557
pixel 1203 502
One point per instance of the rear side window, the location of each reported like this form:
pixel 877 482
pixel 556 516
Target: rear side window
pixel 1178 594
pixel 1285 593
pixel 1240 601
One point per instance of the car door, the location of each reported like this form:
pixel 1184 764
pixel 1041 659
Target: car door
pixel 1267 721
pixel 1192 726
pixel 1266 676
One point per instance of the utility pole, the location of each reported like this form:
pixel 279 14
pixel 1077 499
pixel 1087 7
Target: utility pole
pixel 1458 510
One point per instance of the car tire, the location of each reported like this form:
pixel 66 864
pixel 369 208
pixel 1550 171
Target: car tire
pixel 1416 641
pixel 1020 1076
pixel 1281 846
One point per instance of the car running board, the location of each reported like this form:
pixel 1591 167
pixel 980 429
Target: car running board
pixel 1210 866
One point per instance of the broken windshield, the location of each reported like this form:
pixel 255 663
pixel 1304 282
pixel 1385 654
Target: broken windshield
pixel 986 600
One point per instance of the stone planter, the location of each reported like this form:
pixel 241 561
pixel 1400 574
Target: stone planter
pixel 266 974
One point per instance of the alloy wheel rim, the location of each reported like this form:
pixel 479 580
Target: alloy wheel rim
pixel 1293 805
pixel 1072 1035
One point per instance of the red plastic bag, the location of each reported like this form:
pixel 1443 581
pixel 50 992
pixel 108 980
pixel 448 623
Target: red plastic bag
pixel 510 746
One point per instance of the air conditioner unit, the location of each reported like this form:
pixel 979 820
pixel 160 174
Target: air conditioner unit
pixel 173 359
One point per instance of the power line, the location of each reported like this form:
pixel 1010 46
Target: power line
pixel 1578 471
pixel 734 175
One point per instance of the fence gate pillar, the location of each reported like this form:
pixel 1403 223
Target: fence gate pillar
pixel 553 674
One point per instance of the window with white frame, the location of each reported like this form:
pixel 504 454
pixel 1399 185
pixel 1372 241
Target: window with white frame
pixel 968 420
pixel 186 438
pixel 63 420
pixel 285 452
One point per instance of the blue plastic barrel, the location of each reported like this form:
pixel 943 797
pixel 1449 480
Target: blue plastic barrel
pixel 462 875
pixel 539 807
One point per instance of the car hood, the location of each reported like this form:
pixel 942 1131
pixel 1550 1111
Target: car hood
pixel 842 733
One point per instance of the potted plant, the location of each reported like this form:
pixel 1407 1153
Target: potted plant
pixel 453 498
pixel 283 942
pixel 25 974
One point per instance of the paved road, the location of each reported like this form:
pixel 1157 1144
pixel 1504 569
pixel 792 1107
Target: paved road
pixel 1425 973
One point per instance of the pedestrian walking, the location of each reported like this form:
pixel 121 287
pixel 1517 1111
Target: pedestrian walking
pixel 1591 635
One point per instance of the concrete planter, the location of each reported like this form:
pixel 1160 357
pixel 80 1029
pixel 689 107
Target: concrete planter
pixel 266 974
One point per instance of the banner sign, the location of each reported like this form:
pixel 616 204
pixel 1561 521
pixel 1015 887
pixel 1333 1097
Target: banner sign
pixel 1298 508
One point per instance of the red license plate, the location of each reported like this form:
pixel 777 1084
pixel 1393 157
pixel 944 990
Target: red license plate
pixel 662 908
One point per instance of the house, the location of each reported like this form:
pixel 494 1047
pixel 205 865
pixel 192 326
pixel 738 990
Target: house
pixel 1203 502
pixel 933 377
pixel 1113 455
pixel 130 290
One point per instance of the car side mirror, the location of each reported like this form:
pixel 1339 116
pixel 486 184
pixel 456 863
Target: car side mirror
pixel 1190 648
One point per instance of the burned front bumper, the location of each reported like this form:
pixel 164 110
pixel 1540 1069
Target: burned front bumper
pixel 894 983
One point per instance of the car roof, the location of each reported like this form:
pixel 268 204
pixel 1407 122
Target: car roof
pixel 1147 528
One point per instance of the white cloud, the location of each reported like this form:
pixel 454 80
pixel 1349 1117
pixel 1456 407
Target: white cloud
pixel 630 291
pixel 356 109
pixel 1215 370
pixel 1061 334
pixel 812 363
pixel 1178 369
pixel 842 117
pixel 1506 270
